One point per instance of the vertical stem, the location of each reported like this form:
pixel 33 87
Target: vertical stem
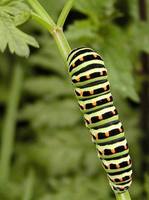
pixel 143 5
pixel 41 12
pixel 144 99
pixel 123 196
pixel 29 185
pixel 10 122
pixel 61 42
pixel 64 13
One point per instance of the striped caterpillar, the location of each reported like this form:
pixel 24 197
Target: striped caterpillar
pixel 92 89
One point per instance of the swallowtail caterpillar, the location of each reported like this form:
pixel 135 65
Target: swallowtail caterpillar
pixel 92 89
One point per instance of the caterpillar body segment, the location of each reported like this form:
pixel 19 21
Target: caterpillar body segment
pixel 92 89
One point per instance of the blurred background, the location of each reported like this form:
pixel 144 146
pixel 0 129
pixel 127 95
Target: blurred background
pixel 52 156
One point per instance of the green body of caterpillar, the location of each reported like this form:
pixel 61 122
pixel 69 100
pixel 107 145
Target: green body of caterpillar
pixel 89 76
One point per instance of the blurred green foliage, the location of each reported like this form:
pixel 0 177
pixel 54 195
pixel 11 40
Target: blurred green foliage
pixel 53 152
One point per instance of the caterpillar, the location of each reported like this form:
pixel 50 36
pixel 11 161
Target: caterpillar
pixel 92 89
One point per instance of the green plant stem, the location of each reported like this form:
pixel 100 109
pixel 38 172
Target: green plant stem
pixel 61 42
pixel 10 122
pixel 56 31
pixel 64 13
pixel 41 12
pixel 41 21
pixel 29 186
pixel 123 196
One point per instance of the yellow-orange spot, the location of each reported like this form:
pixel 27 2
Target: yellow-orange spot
pixel 107 134
pixel 113 151
pixel 94 103
pixel 82 106
pixel 78 78
pixel 113 112
pixel 117 166
pixel 95 55
pixel 125 147
pixel 88 119
pixel 108 166
pixel 88 76
pixel 129 162
pixel 91 92
pixel 73 65
pixel 101 73
pixel 105 88
pixel 81 93
pixel 108 99
pixel 100 117
pixel 96 136
pixel 81 59
pixel 120 129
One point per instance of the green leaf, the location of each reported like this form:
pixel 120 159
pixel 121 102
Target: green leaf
pixel 86 32
pixel 139 30
pixel 17 10
pixel 134 9
pixel 116 54
pixel 50 115
pixel 41 85
pixel 11 36
pixel 96 9
pixel 48 57
pixel 82 187
pixel 73 143
pixel 16 40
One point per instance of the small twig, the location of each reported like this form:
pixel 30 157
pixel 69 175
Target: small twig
pixel 64 13
pixel 41 21
pixel 62 43
pixel 41 12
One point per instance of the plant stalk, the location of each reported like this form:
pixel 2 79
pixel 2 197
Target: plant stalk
pixel 29 186
pixel 61 42
pixel 42 22
pixel 144 120
pixel 41 12
pixel 64 14
pixel 10 122
pixel 123 196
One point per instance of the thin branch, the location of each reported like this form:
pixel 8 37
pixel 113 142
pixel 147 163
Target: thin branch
pixel 64 13
pixel 123 196
pixel 37 7
pixel 41 21
pixel 62 43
